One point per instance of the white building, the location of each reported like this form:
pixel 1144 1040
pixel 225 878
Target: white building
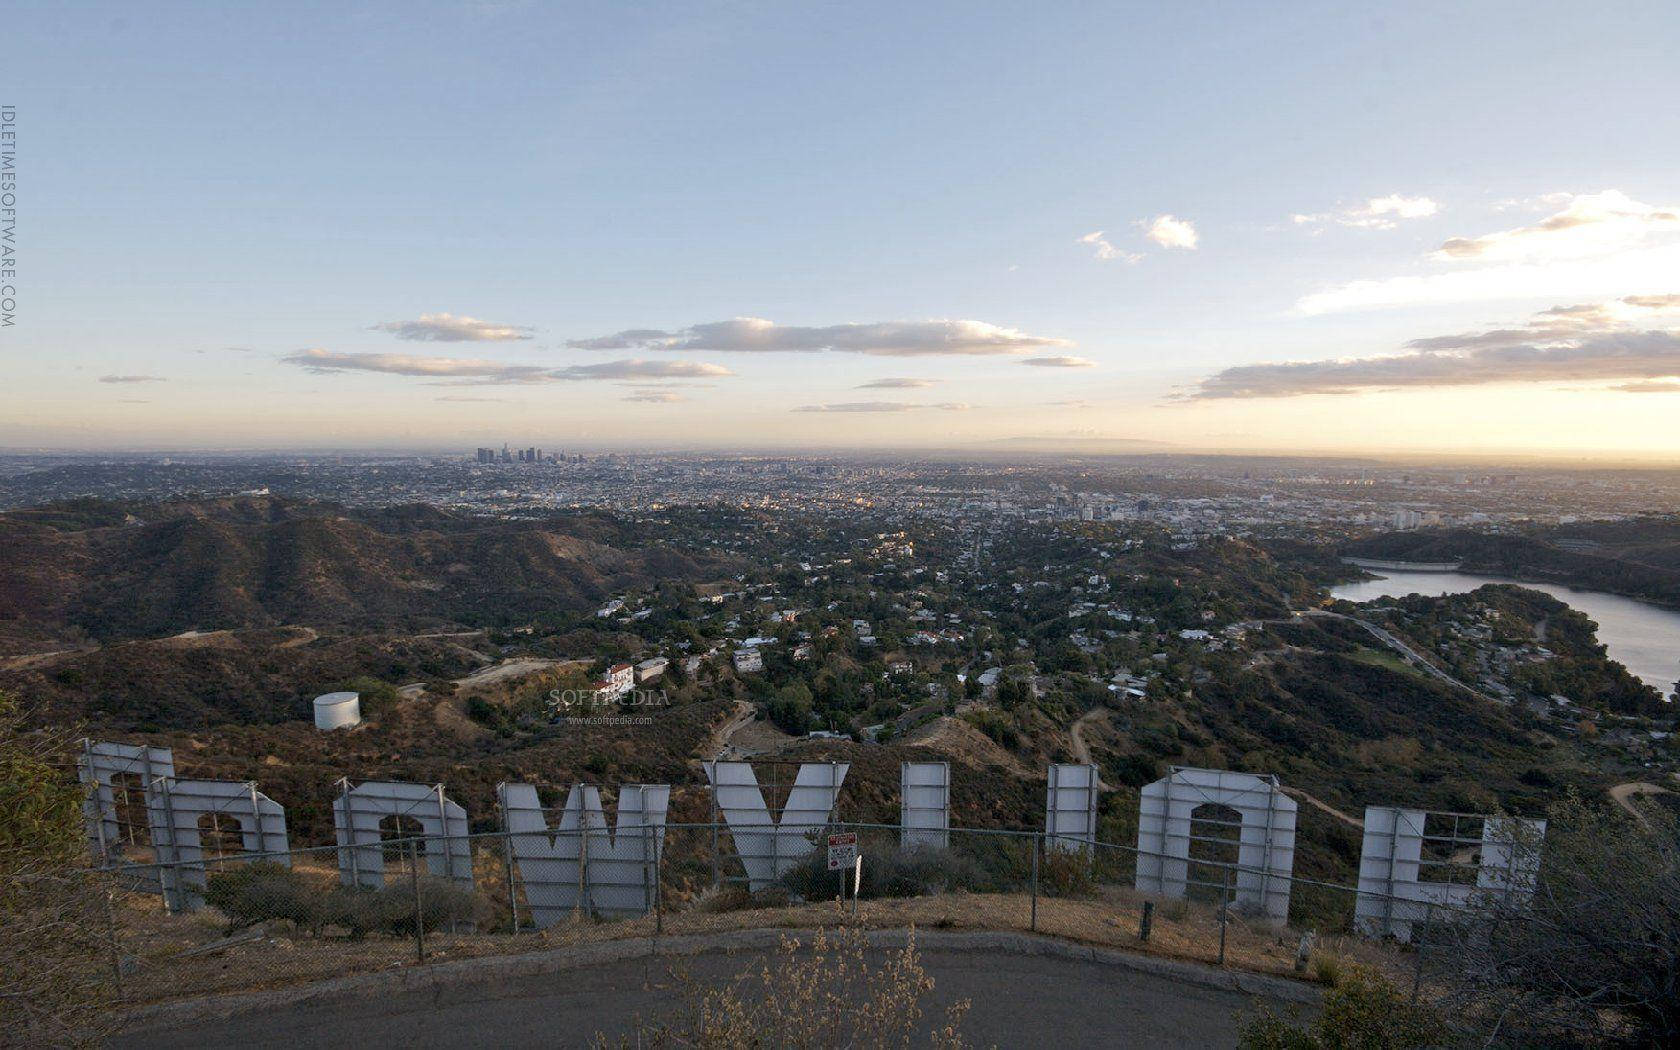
pixel 748 661
pixel 619 679
pixel 651 668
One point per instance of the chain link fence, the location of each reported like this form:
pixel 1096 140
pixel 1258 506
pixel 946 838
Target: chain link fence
pixel 239 921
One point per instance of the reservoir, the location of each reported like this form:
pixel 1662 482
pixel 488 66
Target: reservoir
pixel 1643 638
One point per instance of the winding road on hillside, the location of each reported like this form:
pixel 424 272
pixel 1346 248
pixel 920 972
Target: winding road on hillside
pixel 1016 998
pixel 1623 795
pixel 1413 657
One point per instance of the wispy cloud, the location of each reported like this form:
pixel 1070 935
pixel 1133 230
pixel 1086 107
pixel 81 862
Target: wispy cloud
pixel 1592 224
pixel 884 406
pixel 1060 362
pixel 448 328
pixel 1595 245
pixel 461 398
pixel 636 368
pixel 897 383
pixel 1169 231
pixel 1649 387
pixel 323 362
pixel 132 379
pixel 886 338
pixel 1107 252
pixel 1591 342
pixel 1377 213
pixel 655 397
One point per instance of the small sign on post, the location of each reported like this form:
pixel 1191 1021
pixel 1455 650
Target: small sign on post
pixel 842 851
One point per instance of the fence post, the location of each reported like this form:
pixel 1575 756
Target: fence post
pixel 1038 845
pixel 1147 921
pixel 1224 913
pixel 583 868
pixel 513 898
pixel 658 881
pixel 419 916
pixel 1420 938
pixel 111 931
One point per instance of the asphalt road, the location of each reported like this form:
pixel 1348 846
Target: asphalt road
pixel 1018 1000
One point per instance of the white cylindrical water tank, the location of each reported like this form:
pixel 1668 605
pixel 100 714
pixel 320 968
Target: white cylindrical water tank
pixel 338 710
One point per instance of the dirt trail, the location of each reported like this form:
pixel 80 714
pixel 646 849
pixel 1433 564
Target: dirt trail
pixel 1081 751
pixel 719 745
pixel 1321 805
pixel 1622 795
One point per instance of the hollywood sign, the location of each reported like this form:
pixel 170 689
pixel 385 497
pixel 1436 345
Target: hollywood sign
pixel 583 862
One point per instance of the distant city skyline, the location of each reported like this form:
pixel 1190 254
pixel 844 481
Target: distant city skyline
pixel 437 226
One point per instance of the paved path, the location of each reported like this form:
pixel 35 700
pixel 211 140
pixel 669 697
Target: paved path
pixel 1017 1000
pixel 1388 638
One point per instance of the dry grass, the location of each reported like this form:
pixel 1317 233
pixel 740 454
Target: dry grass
pixel 156 943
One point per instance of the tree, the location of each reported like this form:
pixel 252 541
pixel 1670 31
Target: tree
pixel 53 929
pixel 1594 957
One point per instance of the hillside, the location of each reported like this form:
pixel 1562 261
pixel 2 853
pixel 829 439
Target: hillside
pixel 1639 558
pixel 95 571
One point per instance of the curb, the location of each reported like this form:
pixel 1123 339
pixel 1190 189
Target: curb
pixel 442 976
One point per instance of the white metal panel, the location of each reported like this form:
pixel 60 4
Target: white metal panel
pixel 174 808
pixel 1392 895
pixel 1070 808
pixel 356 815
pixel 925 805
pixel 1265 842
pixel 97 765
pixel 769 848
pixel 581 862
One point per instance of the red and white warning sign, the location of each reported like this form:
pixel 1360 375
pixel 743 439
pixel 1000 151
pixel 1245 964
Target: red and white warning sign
pixel 842 851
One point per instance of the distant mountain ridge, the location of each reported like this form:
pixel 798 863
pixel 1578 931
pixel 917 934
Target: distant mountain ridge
pixel 110 571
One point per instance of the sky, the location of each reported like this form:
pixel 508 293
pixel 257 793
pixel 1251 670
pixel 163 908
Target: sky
pixel 433 226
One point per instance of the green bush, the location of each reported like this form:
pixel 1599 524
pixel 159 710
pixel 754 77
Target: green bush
pixel 391 909
pixel 264 891
pixel 905 873
pixel 1364 1011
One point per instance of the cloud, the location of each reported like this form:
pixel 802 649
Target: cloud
pixel 465 399
pixel 1060 362
pixel 1561 323
pixel 655 397
pixel 1106 251
pixel 1597 245
pixel 1377 213
pixel 447 328
pixel 635 368
pixel 132 379
pixel 324 362
pixel 1170 232
pixel 1649 387
pixel 1582 343
pixel 1590 225
pixel 860 406
pixel 885 339
pixel 897 383
pixel 1655 269
pixel 884 406
pixel 133 401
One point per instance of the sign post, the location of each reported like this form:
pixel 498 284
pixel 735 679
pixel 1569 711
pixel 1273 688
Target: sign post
pixel 842 855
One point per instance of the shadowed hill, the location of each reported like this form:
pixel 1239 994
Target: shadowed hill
pixel 108 572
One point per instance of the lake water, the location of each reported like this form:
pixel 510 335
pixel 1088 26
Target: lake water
pixel 1643 638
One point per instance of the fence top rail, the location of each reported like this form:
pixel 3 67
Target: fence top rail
pixel 418 842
